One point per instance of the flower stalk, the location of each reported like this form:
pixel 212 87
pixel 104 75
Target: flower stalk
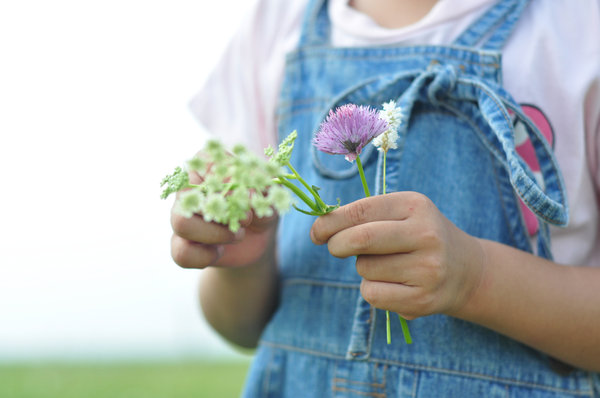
pixel 384 142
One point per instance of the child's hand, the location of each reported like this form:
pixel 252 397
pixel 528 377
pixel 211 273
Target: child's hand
pixel 198 244
pixel 413 260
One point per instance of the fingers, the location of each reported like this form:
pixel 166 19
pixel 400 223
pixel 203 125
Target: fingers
pixel 199 244
pixel 188 254
pixel 379 237
pixel 395 206
pixel 259 224
pixel 409 302
pixel 393 268
pixel 197 230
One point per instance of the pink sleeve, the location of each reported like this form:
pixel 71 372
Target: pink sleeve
pixel 592 127
pixel 238 101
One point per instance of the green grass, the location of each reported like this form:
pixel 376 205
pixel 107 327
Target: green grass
pixel 118 380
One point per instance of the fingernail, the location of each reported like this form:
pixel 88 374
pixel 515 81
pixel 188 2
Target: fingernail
pixel 312 237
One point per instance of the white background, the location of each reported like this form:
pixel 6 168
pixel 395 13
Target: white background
pixel 93 113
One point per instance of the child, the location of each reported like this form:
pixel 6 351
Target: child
pixel 451 248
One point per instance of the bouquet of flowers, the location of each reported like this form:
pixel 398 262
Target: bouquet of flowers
pixel 239 181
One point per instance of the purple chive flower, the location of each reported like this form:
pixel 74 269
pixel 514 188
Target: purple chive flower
pixel 347 130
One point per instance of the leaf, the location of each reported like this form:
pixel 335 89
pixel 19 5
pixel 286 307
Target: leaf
pixel 310 213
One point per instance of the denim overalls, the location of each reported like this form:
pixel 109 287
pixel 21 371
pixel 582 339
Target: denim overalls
pixel 456 146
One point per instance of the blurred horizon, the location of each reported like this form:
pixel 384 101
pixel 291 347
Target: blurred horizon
pixel 95 112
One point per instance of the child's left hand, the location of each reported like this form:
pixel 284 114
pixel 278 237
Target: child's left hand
pixel 412 259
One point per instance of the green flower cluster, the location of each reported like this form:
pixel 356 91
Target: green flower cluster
pixel 233 183
pixel 236 182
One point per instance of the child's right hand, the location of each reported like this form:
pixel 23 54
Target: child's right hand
pixel 198 244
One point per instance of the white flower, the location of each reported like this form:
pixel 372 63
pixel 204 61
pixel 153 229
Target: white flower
pixel 393 116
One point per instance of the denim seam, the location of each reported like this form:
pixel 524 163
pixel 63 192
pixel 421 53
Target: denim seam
pixel 317 52
pixel 266 381
pixel 504 210
pixel 358 392
pixel 362 383
pixel 480 376
pixel 335 370
pixel 375 385
pixel 302 350
pixel 415 383
pixel 432 369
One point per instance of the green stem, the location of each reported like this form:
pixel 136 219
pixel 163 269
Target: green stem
pixel 403 323
pixel 384 167
pixel 362 176
pixel 387 313
pixel 405 330
pixel 387 327
pixel 299 193
pixel 318 199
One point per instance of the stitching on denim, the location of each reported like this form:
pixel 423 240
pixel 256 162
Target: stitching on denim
pixel 338 53
pixel 335 368
pixel 505 210
pixel 380 385
pixel 267 379
pixel 302 350
pixel 542 216
pixel 432 369
pixel 362 383
pixel 480 376
pixel 371 336
pixel 357 392
pixel 415 383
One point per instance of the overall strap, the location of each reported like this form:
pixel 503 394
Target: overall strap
pixel 493 28
pixel 315 26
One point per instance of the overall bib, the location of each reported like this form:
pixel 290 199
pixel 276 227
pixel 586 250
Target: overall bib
pixel 456 146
